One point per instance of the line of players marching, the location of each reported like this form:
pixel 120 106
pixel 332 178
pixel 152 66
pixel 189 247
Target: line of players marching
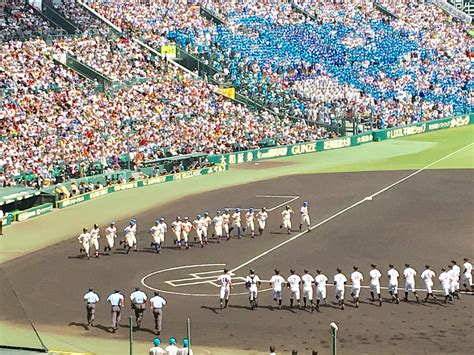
pixel 224 224
pixel 449 280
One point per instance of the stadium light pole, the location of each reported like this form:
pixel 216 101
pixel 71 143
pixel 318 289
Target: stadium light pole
pixel 334 329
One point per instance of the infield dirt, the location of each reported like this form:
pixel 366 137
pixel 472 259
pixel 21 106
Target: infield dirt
pixel 424 220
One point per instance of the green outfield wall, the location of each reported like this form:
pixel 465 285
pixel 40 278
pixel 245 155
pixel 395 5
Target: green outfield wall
pixel 139 183
pixel 343 142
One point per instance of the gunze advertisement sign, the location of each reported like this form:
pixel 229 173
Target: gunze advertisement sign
pixel 139 183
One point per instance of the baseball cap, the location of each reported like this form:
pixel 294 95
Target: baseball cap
pixel 185 342
pixel 157 342
pixel 172 341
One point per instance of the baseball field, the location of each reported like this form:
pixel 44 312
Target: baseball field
pixel 396 201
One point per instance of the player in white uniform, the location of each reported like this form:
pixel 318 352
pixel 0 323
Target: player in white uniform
pixel 158 234
pixel 467 275
pixel 427 276
pixel 226 285
pixel 187 228
pixel 130 237
pixel 236 223
pixel 356 279
pixel 252 282
pixel 206 222
pixel 95 236
pixel 294 282
pixel 177 227
pixel 218 222
pixel 308 281
pixel 110 235
pixel 286 218
pixel 277 282
pixel 305 216
pixel 250 221
pixel 453 276
pixel 393 276
pixel 340 281
pixel 262 217
pixel 457 270
pixel 320 280
pixel 198 224
pixel 85 240
pixel 375 276
pixel 409 274
pixel 226 220
pixel 445 284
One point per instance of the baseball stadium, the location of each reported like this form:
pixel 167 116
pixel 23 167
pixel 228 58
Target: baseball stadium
pixel 159 157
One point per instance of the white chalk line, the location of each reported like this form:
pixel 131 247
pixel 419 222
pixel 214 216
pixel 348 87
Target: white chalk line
pixel 143 282
pixel 368 198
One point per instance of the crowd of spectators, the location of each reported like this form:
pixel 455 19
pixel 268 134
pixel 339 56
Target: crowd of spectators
pixel 403 69
pixel 55 124
pixel 352 61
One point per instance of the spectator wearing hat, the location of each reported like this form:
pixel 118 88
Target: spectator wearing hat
pixel 185 350
pixel 156 349
pixel 172 349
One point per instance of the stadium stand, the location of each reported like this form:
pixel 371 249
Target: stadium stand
pixel 352 61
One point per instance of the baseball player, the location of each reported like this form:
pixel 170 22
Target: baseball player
pixel 294 282
pixel 356 279
pixel 95 235
pixel 110 235
pixel 445 284
pixel 177 227
pixel 218 222
pixel 187 228
pixel 340 281
pixel 138 299
pixel 226 285
pixel 286 218
pixel 226 220
pixel 250 221
pixel 92 299
pixel 198 224
pixel 375 276
pixel 305 216
pixel 409 274
pixel 393 276
pixel 252 282
pixel 206 222
pixel 308 281
pixel 427 276
pixel 158 234
pixel 457 270
pixel 453 286
pixel 84 240
pixel 130 237
pixel 320 280
pixel 467 275
pixel 236 223
pixel 277 282
pixel 262 217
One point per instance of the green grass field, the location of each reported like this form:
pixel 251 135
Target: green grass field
pixel 410 153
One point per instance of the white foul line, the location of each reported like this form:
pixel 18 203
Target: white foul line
pixel 368 198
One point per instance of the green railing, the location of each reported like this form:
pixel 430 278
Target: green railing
pixel 211 16
pixel 59 20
